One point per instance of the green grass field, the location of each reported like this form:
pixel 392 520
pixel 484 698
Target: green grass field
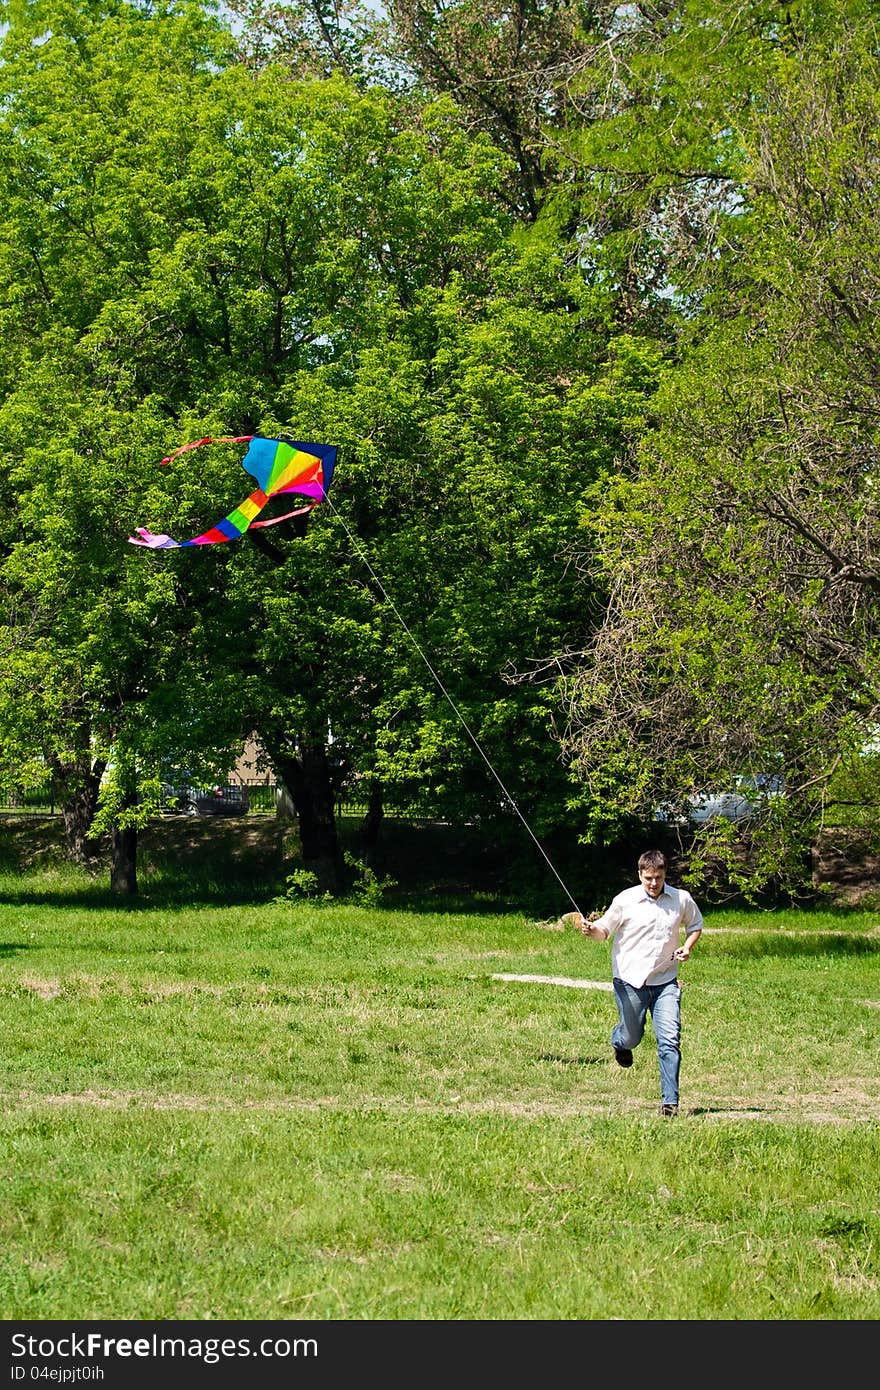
pixel 224 1110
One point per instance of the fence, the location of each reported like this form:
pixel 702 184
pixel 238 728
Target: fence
pixel 261 801
pixel 40 801
pixel 37 801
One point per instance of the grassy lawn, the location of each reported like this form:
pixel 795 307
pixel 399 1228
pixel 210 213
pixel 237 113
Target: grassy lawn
pixel 278 1110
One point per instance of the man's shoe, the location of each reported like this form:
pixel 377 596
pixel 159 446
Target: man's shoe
pixel 623 1057
pixel 668 1110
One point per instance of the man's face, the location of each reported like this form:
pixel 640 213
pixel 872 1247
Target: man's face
pixel 653 881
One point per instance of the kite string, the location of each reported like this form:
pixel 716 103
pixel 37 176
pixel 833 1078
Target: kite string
pixel 456 711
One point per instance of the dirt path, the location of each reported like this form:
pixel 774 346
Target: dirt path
pixel 844 1105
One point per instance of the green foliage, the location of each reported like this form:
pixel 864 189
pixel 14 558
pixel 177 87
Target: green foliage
pixel 853 792
pixel 589 308
pixel 91 116
pixel 167 263
pixel 506 67
pixel 653 155
pixel 195 247
pixel 302 883
pixel 316 38
pixel 741 632
pixel 367 889
pixel 364 887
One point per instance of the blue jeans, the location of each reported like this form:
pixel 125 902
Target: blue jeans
pixel 663 1002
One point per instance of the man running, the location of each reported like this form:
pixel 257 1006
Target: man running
pixel 646 922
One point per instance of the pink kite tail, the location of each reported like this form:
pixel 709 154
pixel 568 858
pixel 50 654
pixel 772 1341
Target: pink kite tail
pixel 211 439
pixel 153 542
pixel 274 520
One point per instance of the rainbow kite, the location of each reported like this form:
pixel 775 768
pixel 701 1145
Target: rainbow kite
pixel 279 466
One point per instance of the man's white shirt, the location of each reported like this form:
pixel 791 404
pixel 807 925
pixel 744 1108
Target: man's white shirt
pixel 646 933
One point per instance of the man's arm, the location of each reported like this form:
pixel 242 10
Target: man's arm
pixel 692 922
pixel 596 926
pixel 690 941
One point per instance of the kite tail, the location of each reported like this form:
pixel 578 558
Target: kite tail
pixel 210 439
pixel 153 542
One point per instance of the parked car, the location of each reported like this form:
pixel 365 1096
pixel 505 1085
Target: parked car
pixel 745 797
pixel 229 800
pixel 732 805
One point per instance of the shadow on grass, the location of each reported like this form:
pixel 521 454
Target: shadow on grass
pixel 797 947
pixel 572 1061
pixel 98 897
pixel 454 904
pixel 212 863
pixel 728 1110
pixel 433 868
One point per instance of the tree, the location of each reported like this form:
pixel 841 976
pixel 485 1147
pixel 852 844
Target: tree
pixel 194 248
pixel 742 555
pixel 508 68
pixel 165 238
pixel 197 247
pixel 469 441
pixel 321 38
pixel 93 111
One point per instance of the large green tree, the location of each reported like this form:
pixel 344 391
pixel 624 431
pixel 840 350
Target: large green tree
pixel 441 576
pixel 742 555
pixel 85 637
pixel 180 237
pixel 508 67
pixel 194 246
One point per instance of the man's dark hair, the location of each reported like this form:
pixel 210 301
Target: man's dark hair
pixel 652 859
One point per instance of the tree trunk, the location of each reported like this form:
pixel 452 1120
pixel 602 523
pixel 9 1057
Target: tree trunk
pixel 77 788
pixel 371 824
pixel 307 779
pixel 123 861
